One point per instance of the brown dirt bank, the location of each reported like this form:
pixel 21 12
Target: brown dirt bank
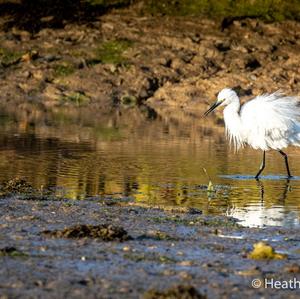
pixel 121 60
pixel 170 254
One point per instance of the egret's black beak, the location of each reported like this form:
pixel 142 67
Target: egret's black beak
pixel 212 108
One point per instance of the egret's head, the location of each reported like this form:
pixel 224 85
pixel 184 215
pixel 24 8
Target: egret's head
pixel 225 97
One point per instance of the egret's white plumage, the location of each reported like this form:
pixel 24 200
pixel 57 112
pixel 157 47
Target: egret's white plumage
pixel 269 121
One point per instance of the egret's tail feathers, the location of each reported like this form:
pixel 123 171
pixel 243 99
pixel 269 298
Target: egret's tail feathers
pixel 271 121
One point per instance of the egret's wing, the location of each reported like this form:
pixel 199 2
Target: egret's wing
pixel 271 121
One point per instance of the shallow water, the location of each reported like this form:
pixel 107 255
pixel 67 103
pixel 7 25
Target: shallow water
pixel 152 159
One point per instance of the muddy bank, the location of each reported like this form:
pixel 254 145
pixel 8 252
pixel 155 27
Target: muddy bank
pixel 123 60
pixel 169 252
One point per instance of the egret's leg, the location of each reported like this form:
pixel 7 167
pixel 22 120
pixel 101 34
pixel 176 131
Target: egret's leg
pixel 286 163
pixel 262 165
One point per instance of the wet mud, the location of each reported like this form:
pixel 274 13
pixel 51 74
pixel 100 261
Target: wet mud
pixel 75 249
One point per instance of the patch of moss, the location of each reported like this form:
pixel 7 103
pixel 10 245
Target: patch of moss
pixel 76 97
pixel 112 52
pixel 128 101
pixel 64 69
pixel 9 57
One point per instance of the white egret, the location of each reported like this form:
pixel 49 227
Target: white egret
pixel 269 121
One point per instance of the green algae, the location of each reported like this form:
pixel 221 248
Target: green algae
pixel 64 69
pixel 112 52
pixel 9 57
pixel 78 98
pixel 263 251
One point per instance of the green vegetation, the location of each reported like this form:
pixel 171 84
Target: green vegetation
pixel 268 9
pixel 112 52
pixel 9 57
pixel 128 100
pixel 210 186
pixel 76 97
pixel 64 69
pixel 276 10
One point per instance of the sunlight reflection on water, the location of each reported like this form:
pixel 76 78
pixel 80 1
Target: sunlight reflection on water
pixel 156 162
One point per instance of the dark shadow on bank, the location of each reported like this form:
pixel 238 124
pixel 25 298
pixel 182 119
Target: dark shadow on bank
pixel 34 15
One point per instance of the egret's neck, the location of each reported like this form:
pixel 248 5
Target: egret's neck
pixel 231 112
pixel 234 106
pixel 233 123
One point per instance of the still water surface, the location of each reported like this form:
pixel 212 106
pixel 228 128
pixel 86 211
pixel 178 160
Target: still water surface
pixel 151 159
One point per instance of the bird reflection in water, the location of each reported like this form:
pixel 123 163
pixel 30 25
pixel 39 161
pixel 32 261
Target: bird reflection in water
pixel 262 213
